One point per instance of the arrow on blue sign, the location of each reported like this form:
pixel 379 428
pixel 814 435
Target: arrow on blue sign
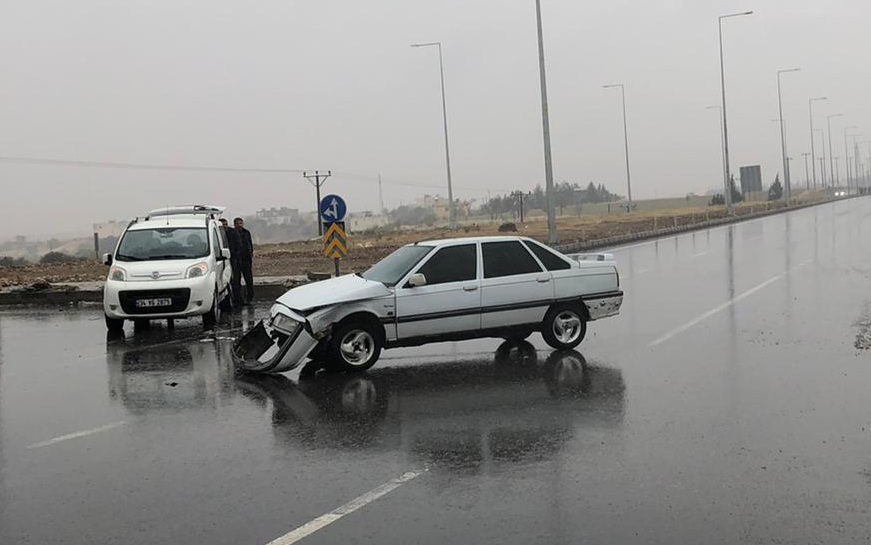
pixel 333 208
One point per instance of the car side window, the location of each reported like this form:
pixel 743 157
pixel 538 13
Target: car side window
pixel 451 264
pixel 507 259
pixel 550 260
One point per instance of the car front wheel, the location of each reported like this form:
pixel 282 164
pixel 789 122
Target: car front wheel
pixel 354 346
pixel 114 325
pixel 564 327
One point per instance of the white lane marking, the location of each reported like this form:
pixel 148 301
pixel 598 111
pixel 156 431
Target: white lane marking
pixel 720 308
pixel 76 435
pixel 325 520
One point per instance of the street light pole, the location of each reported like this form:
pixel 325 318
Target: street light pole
pixel 452 217
pixel 813 151
pixel 625 143
pixel 786 176
pixel 728 194
pixel 722 150
pixel 545 126
pixel 807 178
pixel 847 154
pixel 831 153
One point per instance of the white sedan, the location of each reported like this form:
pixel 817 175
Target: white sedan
pixel 440 290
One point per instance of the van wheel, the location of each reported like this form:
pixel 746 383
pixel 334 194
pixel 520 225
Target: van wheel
pixel 114 325
pixel 214 314
pixel 564 327
pixel 354 346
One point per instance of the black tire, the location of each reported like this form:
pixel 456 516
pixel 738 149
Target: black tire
pixel 210 319
pixel 114 325
pixel 564 326
pixel 354 347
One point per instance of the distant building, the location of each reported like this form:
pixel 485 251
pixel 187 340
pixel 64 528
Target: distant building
pixel 439 206
pixel 279 216
pixel 365 221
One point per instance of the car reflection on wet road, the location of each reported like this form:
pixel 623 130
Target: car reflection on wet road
pixel 466 415
pixel 727 403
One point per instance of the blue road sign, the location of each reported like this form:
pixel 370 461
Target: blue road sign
pixel 333 208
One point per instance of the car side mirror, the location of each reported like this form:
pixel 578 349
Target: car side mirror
pixel 107 259
pixel 225 254
pixel 417 280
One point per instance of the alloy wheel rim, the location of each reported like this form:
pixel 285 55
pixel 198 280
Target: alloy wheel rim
pixel 357 347
pixel 567 327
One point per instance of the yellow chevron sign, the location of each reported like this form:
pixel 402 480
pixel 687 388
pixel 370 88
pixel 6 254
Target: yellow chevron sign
pixel 335 240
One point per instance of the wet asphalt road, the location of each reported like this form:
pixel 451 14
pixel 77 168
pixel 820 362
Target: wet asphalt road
pixel 728 403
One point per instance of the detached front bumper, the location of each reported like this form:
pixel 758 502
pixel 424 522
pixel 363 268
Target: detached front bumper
pixel 269 349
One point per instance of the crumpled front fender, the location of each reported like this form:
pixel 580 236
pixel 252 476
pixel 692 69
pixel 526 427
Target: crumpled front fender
pixel 265 350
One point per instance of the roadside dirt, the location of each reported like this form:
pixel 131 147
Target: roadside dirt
pixel 303 257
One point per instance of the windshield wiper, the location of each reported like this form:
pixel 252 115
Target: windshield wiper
pixel 169 256
pixel 123 257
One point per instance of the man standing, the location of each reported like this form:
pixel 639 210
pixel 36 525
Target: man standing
pixel 235 245
pixel 245 259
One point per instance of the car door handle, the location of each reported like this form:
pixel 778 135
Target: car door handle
pixel 470 288
pixel 543 279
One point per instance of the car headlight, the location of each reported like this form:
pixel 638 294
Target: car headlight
pixel 284 323
pixel 118 274
pixel 198 270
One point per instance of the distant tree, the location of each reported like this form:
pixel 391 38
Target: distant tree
pixel 6 261
pixel 717 200
pixel 57 257
pixel 775 192
pixel 737 196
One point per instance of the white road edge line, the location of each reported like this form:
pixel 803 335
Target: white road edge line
pixel 326 519
pixel 701 318
pixel 76 435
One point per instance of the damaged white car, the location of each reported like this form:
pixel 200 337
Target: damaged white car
pixel 441 290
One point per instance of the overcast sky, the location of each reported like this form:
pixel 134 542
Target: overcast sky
pixel 333 84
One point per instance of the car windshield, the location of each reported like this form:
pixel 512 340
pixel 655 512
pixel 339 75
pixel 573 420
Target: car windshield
pixel 392 268
pixel 163 243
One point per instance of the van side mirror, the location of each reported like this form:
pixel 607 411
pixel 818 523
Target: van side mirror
pixel 225 254
pixel 107 259
pixel 417 280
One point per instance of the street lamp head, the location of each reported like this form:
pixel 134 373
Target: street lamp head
pixel 736 14
pixel 832 116
pixel 426 44
pixel 785 70
pixel 819 98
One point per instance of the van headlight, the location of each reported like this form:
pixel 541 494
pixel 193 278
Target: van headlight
pixel 198 270
pixel 284 323
pixel 117 274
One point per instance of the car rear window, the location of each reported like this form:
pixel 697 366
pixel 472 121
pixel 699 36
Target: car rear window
pixel 507 258
pixel 550 260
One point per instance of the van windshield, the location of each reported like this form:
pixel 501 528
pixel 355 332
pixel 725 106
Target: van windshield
pixel 163 243
pixel 392 268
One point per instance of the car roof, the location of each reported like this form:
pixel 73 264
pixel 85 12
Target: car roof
pixel 169 221
pixel 467 240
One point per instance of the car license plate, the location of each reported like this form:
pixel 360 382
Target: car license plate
pixel 149 303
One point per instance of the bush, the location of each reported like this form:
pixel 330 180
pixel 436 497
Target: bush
pixel 57 257
pixel 6 261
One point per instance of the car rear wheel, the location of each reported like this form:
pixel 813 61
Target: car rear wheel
pixel 354 346
pixel 564 327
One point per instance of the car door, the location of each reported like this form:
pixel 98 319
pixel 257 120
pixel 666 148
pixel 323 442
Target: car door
pixel 223 272
pixel 514 290
pixel 450 302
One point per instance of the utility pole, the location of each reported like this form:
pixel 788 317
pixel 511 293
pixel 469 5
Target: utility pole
pixel 625 144
pixel 545 127
pixel 823 171
pixel 807 179
pixel 317 180
pixel 810 107
pixel 380 194
pixel 831 153
pixel 519 196
pixel 783 151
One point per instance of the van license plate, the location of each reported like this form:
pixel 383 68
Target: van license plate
pixel 148 303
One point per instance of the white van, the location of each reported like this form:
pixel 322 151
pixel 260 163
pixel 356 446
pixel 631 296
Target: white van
pixel 174 263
